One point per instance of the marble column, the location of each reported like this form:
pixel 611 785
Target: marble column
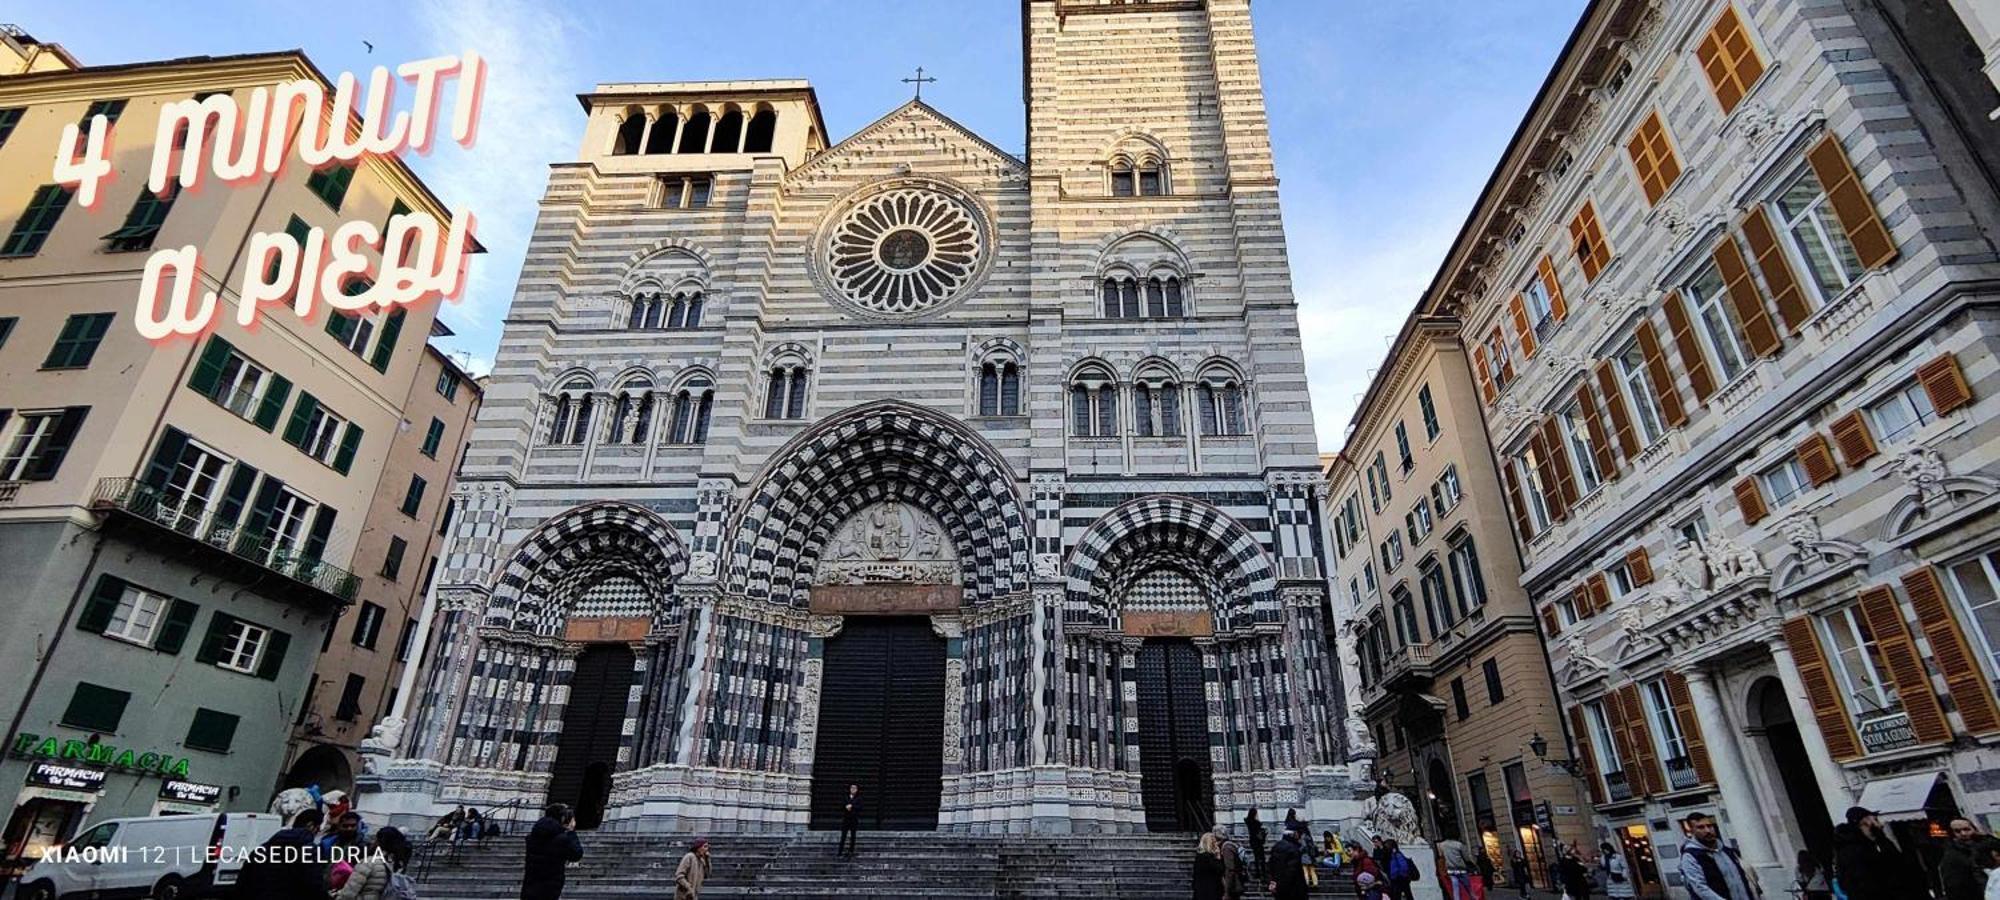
pixel 1732 779
pixel 1831 778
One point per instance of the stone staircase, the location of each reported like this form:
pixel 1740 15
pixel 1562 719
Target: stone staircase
pixel 805 866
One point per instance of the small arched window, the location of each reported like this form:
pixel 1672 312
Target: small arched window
pixel 1000 388
pixel 685 311
pixel 785 397
pixel 1156 406
pixel 646 313
pixel 1152 178
pixel 661 140
pixel 1124 181
pixel 1093 398
pixel 571 424
pixel 632 412
pixel 692 404
pixel 630 132
pixel 1222 406
pixel 1158 297
pixel 729 132
pixel 761 132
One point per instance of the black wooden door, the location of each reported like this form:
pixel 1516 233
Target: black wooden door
pixel 1176 777
pixel 587 750
pixel 881 724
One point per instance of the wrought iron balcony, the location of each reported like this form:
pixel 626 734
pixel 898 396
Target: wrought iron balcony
pixel 1680 774
pixel 8 491
pixel 1615 786
pixel 219 545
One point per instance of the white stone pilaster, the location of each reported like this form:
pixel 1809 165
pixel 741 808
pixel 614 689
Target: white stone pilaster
pixel 1725 751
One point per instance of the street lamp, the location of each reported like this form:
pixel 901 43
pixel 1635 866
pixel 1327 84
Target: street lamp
pixel 1540 747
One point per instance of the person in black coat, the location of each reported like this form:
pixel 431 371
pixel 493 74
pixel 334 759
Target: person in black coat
pixel 288 865
pixel 1255 827
pixel 1288 877
pixel 850 820
pixel 552 846
pixel 1870 866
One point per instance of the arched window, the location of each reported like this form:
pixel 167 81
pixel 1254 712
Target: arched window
pixel 1093 398
pixel 729 132
pixel 1159 297
pixel 1000 388
pixel 762 131
pixel 685 311
pixel 1123 179
pixel 630 132
pixel 692 404
pixel 646 313
pixel 571 424
pixel 1222 405
pixel 1152 177
pixel 661 140
pixel 694 134
pixel 1156 405
pixel 632 412
pixel 785 397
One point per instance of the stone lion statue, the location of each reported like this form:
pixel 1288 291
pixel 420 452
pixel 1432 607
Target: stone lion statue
pixel 1391 815
pixel 290 802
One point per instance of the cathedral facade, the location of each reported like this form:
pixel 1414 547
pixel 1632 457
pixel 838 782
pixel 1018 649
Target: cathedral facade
pixel 985 483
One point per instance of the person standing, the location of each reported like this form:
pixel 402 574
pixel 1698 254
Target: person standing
pixel 1617 873
pixel 375 876
pixel 1961 868
pixel 287 866
pixel 1400 870
pixel 850 821
pixel 1518 870
pixel 552 846
pixel 1208 868
pixel 1288 877
pixel 1711 870
pixel 1869 865
pixel 1458 868
pixel 692 871
pixel 1233 864
pixel 1811 878
pixel 1255 827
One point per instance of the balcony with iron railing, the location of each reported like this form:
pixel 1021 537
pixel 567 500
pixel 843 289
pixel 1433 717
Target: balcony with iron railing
pixel 1616 788
pixel 219 547
pixel 1681 774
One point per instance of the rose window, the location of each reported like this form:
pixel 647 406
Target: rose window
pixel 903 251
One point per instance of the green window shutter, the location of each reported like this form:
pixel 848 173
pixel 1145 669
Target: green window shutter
pixel 173 442
pixel 208 371
pixel 322 529
pixel 298 229
pixel 350 441
pixel 259 522
pixel 211 730
pixel 174 631
pixel 49 459
pixel 295 430
pixel 339 324
pixel 274 655
pixel 433 438
pixel 274 402
pixel 96 708
pixel 230 511
pixel 385 346
pixel 102 605
pixel 211 642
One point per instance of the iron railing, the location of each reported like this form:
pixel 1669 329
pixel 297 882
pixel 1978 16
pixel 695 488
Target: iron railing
pixel 430 849
pixel 136 498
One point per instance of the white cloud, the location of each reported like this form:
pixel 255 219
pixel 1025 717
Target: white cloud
pixel 529 119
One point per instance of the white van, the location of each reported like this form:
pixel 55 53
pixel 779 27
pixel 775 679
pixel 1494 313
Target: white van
pixel 162 857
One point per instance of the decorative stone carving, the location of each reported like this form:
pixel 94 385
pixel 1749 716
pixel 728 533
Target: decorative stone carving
pixel 1360 741
pixel 1674 215
pixel 1389 814
pixel 1730 562
pixel 1048 565
pixel 1925 471
pixel 954 704
pixel 1689 571
pixel 290 802
pixel 702 563
pixel 387 735
pixel 903 248
pixel 1755 124
pixel 889 542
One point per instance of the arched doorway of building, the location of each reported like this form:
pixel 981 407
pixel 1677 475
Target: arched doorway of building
pixel 1175 773
pixel 593 725
pixel 1803 801
pixel 324 765
pixel 881 724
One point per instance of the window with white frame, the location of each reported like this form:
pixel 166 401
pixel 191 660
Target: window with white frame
pixel 1667 734
pixel 31 431
pixel 1638 390
pixel 1566 608
pixel 1601 743
pixel 1392 551
pixel 137 617
pixel 1447 490
pixel 1975 584
pixel 1537 503
pixel 1814 237
pixel 1419 521
pixel 288 523
pixel 1857 662
pixel 1535 296
pixel 192 488
pixel 1719 328
pixel 1576 434
pixel 243 646
pixel 1618 580
pixel 1368 578
pixel 1902 411
pixel 240 386
pixel 1466 576
pixel 1783 481
pixel 1693 530
pixel 1499 361
pixel 322 436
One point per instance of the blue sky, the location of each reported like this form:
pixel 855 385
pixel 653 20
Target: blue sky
pixel 1386 117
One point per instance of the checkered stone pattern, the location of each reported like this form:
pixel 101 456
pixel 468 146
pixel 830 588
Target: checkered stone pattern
pixel 537 591
pixel 998 704
pixel 1299 550
pixel 612 596
pixel 748 718
pixel 892 451
pixel 433 723
pixel 1165 590
pixel 1147 533
pixel 1093 722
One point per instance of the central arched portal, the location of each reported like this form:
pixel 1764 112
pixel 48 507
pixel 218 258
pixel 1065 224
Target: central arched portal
pixel 881 715
pixel 587 749
pixel 1175 774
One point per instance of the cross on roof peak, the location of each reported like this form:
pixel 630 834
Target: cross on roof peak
pixel 920 81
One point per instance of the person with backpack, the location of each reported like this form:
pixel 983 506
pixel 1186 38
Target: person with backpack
pixel 1255 828
pixel 1401 871
pixel 552 846
pixel 290 867
pixel 1615 873
pixel 379 875
pixel 1287 878
pixel 1711 869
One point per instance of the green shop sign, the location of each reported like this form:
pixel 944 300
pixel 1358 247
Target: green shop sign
pixel 35 746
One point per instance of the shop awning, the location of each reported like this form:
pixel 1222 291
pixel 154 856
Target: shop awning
pixel 1900 798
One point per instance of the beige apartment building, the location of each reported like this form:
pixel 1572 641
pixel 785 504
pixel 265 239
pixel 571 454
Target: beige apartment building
pixel 180 522
pixel 395 560
pixel 1453 681
pixel 1730 301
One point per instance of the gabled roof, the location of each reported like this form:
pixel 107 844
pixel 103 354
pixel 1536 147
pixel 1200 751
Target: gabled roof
pixel 871 128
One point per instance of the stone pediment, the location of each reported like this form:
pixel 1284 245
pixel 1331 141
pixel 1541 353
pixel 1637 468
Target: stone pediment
pixel 912 139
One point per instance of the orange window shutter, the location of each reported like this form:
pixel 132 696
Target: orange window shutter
pixel 1851 205
pixel 1758 331
pixel 1586 755
pixel 1662 376
pixel 1653 158
pixel 1786 292
pixel 1640 564
pixel 1559 462
pixel 1545 476
pixel 1600 591
pixel 1856 442
pixel 1481 371
pixel 1816 455
pixel 1750 499
pixel 1728 60
pixel 1558 305
pixel 1906 667
pixel 1514 503
pixel 1525 333
pixel 1697 748
pixel 1647 752
pixel 1614 404
pixel 1945 382
pixel 1829 706
pixel 1693 358
pixel 1551 623
pixel 1581 601
pixel 1600 440
pixel 1963 678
